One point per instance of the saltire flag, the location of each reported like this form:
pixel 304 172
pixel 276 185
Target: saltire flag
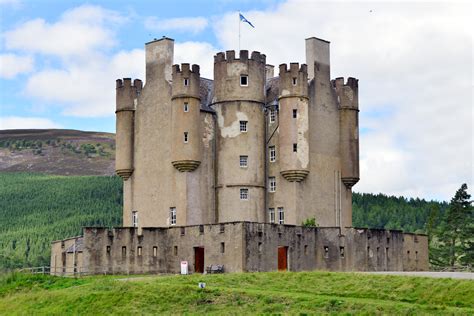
pixel 243 19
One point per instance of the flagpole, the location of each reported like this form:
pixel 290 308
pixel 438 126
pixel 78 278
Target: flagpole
pixel 239 31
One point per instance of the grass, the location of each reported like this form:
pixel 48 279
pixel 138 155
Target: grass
pixel 248 293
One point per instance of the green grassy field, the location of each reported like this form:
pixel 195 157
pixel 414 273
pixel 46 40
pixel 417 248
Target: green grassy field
pixel 249 293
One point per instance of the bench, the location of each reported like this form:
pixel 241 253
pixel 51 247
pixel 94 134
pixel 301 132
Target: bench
pixel 215 268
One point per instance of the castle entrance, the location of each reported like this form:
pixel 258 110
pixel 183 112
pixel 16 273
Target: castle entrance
pixel 199 259
pixel 282 258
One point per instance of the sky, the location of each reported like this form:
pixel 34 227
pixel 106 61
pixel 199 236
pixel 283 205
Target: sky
pixel 59 61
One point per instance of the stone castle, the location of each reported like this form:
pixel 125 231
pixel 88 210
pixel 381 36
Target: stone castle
pixel 225 172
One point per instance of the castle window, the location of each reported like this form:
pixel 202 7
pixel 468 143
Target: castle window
pixel 295 111
pixel 272 116
pixel 305 249
pixel 201 229
pixel 272 185
pixel 260 247
pixel 244 80
pixel 124 251
pixel 341 252
pixel 175 250
pixel 185 137
pixel 108 250
pixel 183 231
pixel 186 81
pixel 326 252
pixel 281 216
pixel 295 148
pixel 135 219
pixel 271 215
pixel 155 251
pixel 416 255
pixel 272 153
pixel 243 126
pixel 221 228
pixel 295 81
pixel 244 194
pixel 186 107
pixel 172 215
pixel 222 247
pixel 139 251
pixel 243 161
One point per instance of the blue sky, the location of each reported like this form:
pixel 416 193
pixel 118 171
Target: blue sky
pixel 59 61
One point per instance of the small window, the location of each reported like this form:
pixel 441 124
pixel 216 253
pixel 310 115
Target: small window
pixel 155 251
pixel 271 215
pixel 341 252
pixel 175 251
pixel 295 81
pixel 272 153
pixel 416 255
pixel 108 250
pixel 222 247
pixel 388 240
pixel 408 254
pixel 281 216
pixel 183 231
pixel 135 219
pixel 272 116
pixel 272 185
pixel 305 249
pixel 243 126
pixel 243 161
pixel 244 80
pixel 260 247
pixel 295 113
pixel 295 148
pixel 139 251
pixel 185 137
pixel 326 252
pixel 186 81
pixel 186 107
pixel 386 252
pixel 221 228
pixel 244 194
pixel 124 251
pixel 172 215
pixel 201 229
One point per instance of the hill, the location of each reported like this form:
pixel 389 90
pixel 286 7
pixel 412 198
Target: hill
pixel 248 293
pixel 57 151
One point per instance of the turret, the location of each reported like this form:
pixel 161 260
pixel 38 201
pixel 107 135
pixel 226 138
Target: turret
pixel 293 122
pixel 348 96
pixel 185 116
pixel 126 99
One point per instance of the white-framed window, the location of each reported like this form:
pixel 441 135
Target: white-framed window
pixel 186 81
pixel 244 80
pixel 186 107
pixel 272 184
pixel 185 137
pixel 243 126
pixel 243 161
pixel 273 154
pixel 281 215
pixel 272 116
pixel 135 219
pixel 295 81
pixel 295 113
pixel 172 215
pixel 244 194
pixel 271 215
pixel 295 148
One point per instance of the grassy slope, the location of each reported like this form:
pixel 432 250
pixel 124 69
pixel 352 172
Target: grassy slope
pixel 303 292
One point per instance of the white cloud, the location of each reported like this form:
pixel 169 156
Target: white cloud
pixel 199 53
pixel 414 62
pixel 190 25
pixel 12 65
pixel 18 122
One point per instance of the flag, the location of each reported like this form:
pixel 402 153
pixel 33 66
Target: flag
pixel 243 19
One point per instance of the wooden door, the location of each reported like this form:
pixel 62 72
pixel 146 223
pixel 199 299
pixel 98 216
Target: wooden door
pixel 282 258
pixel 199 259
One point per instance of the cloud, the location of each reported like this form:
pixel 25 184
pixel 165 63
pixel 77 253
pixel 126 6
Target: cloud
pixel 18 122
pixel 12 65
pixel 190 25
pixel 199 53
pixel 414 63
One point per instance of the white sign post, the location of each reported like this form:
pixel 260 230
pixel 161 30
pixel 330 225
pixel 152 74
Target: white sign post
pixel 184 267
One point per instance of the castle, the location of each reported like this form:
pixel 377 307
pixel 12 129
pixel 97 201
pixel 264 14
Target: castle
pixel 226 171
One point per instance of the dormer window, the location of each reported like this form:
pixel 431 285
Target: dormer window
pixel 294 81
pixel 186 107
pixel 244 80
pixel 186 81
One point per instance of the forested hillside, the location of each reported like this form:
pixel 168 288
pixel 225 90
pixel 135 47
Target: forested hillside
pixel 37 209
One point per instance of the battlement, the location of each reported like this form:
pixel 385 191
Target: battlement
pixel 185 81
pixel 127 82
pixel 185 69
pixel 294 68
pixel 348 93
pixel 229 56
pixel 351 82
pixel 293 80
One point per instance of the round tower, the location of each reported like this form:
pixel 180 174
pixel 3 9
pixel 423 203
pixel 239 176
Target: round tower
pixel 348 95
pixel 293 119
pixel 126 98
pixel 239 85
pixel 185 117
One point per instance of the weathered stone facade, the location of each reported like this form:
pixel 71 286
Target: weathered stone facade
pixel 220 171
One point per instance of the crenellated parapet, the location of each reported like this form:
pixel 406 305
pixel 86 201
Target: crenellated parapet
pixel 293 81
pixel 186 81
pixel 348 99
pixel 127 95
pixel 239 79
